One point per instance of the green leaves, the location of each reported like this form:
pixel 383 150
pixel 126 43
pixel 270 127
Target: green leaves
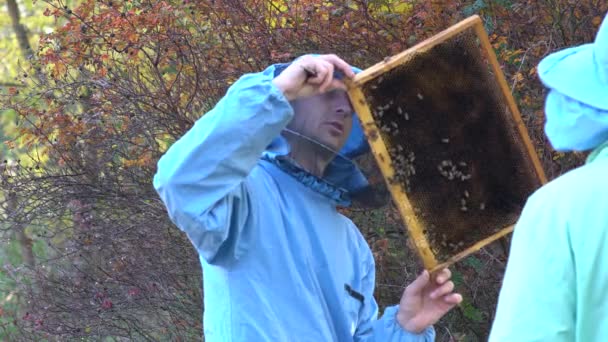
pixel 473 262
pixel 471 312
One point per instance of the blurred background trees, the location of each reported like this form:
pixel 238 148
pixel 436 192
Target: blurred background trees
pixel 93 92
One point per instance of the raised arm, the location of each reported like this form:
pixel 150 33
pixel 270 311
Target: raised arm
pixel 201 177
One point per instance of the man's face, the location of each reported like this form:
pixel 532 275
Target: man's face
pixel 326 118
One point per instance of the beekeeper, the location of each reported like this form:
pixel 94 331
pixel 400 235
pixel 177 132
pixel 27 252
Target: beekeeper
pixel 255 184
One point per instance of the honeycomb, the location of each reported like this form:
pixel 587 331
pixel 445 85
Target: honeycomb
pixel 453 143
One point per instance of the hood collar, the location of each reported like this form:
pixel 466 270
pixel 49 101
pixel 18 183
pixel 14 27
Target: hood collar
pixel 343 180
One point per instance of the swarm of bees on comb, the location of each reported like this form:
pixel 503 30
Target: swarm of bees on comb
pixel 452 143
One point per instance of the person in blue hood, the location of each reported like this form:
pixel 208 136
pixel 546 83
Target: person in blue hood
pixel 556 280
pixel 255 185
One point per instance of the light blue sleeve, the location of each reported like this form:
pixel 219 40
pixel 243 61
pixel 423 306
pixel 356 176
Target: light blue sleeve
pixel 200 179
pixel 385 329
pixel 537 301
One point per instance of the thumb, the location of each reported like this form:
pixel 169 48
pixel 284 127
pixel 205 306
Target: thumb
pixel 419 284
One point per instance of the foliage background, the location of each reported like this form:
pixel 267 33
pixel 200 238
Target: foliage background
pixel 87 249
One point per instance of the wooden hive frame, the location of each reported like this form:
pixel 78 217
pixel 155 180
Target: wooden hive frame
pixel 379 147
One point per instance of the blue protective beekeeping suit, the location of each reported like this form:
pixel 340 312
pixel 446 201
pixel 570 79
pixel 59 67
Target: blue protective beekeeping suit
pixel 280 263
pixel 556 280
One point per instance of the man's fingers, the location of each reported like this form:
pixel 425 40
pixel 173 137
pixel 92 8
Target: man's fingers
pixel 336 84
pixel 443 290
pixel 328 77
pixel 443 276
pixel 340 64
pixel 453 298
pixel 311 75
pixel 315 73
pixel 418 285
pixel 324 68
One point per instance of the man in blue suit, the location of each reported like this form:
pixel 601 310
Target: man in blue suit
pixel 255 186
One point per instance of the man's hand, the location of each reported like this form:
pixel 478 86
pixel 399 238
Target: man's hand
pixel 312 75
pixel 425 301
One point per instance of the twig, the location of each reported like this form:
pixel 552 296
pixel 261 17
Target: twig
pixel 493 257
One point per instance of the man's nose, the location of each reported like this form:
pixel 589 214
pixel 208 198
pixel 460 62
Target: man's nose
pixel 342 106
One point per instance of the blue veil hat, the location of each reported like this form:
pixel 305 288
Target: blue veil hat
pixel 577 105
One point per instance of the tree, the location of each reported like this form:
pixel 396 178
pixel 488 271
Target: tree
pixel 20 32
pixel 18 234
